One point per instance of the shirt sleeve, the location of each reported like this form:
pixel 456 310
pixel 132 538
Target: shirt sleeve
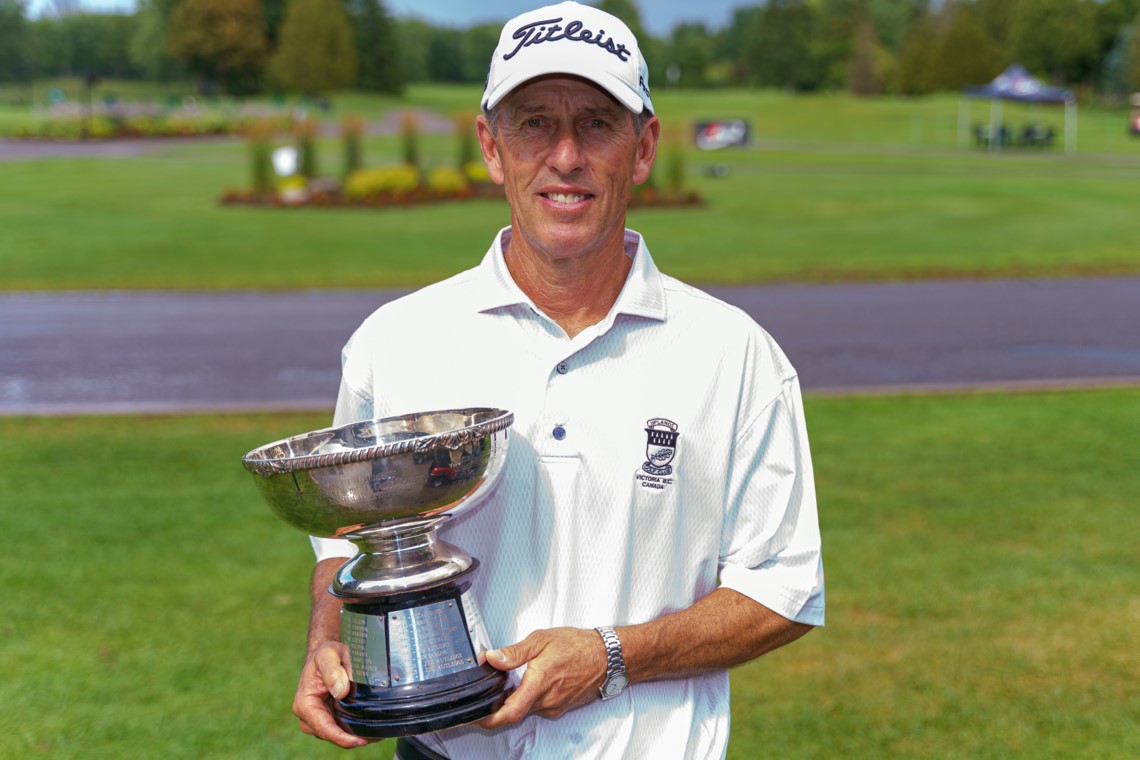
pixel 353 404
pixel 770 548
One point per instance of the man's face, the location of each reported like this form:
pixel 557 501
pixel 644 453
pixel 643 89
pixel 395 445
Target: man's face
pixel 567 155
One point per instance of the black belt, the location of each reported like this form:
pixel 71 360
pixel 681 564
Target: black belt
pixel 411 748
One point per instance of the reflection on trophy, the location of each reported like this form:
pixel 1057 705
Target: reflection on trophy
pixel 415 639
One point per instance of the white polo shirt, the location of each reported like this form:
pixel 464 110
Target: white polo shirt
pixel 653 457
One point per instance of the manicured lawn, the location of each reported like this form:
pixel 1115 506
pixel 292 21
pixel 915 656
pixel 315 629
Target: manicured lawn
pixel 833 188
pixel 980 564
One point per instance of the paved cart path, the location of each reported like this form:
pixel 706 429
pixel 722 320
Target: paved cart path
pixel 157 351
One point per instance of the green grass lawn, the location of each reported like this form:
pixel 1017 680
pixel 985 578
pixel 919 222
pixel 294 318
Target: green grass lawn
pixel 982 588
pixel 834 188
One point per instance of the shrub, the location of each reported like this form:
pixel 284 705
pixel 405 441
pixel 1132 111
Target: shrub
pixel 375 183
pixel 352 128
pixel 444 180
pixel 261 157
pixel 306 132
pixel 410 139
pixel 476 172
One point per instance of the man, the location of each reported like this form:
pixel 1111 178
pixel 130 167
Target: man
pixel 655 523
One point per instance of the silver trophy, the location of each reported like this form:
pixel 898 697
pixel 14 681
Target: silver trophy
pixel 415 639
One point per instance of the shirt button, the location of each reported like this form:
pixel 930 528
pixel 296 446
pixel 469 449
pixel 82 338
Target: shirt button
pixel 563 368
pixel 559 432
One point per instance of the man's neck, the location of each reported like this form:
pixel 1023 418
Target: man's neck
pixel 575 293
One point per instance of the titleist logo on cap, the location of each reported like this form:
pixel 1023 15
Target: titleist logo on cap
pixel 551 30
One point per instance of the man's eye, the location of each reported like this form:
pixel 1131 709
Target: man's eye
pixel 533 122
pixel 598 124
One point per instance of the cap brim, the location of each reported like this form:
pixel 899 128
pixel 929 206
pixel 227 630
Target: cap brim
pixel 607 81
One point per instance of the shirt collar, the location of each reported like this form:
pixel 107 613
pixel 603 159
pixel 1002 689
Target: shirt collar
pixel 643 294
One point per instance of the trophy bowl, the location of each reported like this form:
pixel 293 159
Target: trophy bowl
pixel 414 634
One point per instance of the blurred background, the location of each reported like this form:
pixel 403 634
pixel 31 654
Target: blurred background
pixel 931 205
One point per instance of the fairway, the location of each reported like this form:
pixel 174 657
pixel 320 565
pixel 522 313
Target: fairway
pixel 981 574
pixel 833 188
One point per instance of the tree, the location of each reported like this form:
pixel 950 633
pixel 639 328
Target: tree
pixel 316 53
pixel 893 18
pixel 690 50
pixel 15 42
pixel 445 55
pixel 628 12
pixel 1121 75
pixel 84 43
pixel 222 41
pixel 148 47
pixel 377 47
pixel 478 46
pixel 415 36
pixel 964 53
pixel 913 71
pixel 863 68
pixel 777 46
pixel 1056 38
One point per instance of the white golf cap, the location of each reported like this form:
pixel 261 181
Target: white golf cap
pixel 573 39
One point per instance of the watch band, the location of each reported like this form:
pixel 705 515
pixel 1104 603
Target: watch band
pixel 616 679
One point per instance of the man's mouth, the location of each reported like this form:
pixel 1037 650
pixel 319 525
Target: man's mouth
pixel 565 197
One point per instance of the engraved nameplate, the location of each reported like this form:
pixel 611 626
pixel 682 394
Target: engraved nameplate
pixel 428 642
pixel 367 647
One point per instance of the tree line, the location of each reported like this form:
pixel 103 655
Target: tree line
pixel 909 47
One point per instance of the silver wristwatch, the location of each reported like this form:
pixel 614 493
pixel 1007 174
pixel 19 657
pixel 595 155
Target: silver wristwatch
pixel 616 679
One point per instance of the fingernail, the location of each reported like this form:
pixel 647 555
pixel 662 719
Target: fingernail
pixel 496 655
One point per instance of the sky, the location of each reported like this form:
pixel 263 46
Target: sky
pixel 658 16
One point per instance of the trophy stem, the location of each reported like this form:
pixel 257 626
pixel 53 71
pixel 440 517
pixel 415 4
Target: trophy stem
pixel 399 558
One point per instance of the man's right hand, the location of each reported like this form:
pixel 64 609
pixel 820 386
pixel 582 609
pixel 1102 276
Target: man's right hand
pixel 323 679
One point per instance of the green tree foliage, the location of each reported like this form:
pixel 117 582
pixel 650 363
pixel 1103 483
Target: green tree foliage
pixel 834 33
pixel 690 49
pixel 776 45
pixel 1132 58
pixel 1121 76
pixel 478 46
pixel 221 41
pixel 414 35
pixel 445 55
pixel 964 54
pixel 1113 17
pixel 15 42
pixel 913 70
pixel 1056 38
pixel 377 46
pixel 947 50
pixel 273 11
pixel 316 53
pixel 84 43
pixel 628 12
pixel 865 68
pixel 148 46
pixel 996 17
pixel 893 18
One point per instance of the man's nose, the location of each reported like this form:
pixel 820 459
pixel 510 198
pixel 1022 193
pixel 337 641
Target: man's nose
pixel 566 155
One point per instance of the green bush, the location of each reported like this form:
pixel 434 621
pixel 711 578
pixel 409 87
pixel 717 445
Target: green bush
pixel 386 180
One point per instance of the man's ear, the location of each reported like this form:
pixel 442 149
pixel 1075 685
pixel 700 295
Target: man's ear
pixel 490 150
pixel 646 150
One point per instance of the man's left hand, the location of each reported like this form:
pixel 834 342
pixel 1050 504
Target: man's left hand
pixel 565 668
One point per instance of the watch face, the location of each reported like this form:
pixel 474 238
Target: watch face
pixel 615 685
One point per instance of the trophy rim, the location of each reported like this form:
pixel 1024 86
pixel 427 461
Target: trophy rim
pixel 256 462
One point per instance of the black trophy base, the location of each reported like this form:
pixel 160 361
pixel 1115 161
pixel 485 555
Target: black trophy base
pixel 420 708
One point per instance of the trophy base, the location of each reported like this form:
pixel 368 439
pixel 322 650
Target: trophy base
pixel 423 707
pixel 416 662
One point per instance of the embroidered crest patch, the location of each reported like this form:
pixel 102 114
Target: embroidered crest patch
pixel 660 446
